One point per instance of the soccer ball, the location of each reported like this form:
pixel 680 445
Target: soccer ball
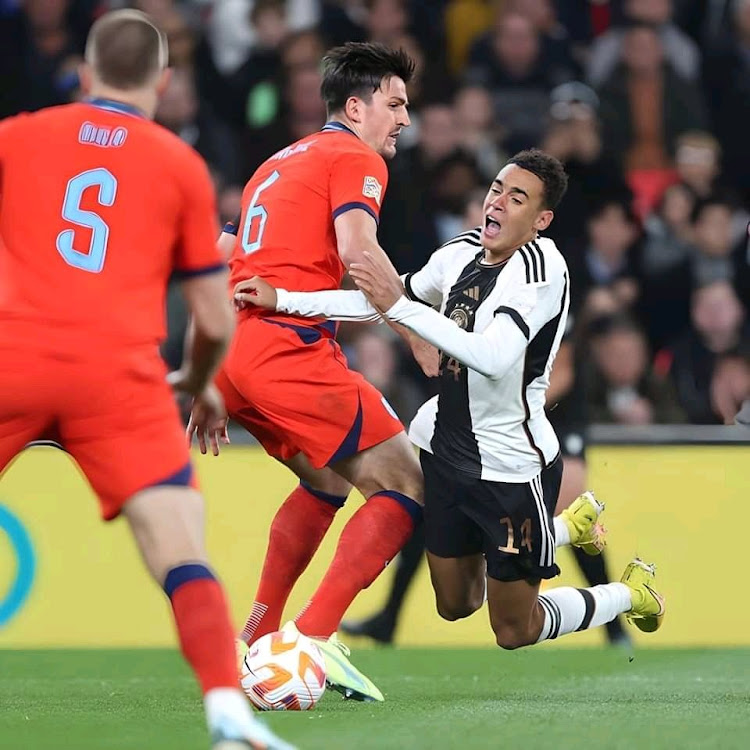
pixel 284 672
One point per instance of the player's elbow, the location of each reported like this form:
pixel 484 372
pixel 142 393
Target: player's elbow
pixel 352 248
pixel 350 254
pixel 497 369
pixel 217 325
pixel 487 369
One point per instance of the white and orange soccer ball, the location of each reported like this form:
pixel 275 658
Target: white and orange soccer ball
pixel 283 671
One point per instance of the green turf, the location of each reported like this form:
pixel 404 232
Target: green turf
pixel 436 699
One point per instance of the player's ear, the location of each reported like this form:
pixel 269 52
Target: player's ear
pixel 86 78
pixel 543 219
pixel 163 81
pixel 353 109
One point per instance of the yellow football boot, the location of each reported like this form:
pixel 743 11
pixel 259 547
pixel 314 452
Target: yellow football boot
pixel 648 606
pixel 341 674
pixel 582 520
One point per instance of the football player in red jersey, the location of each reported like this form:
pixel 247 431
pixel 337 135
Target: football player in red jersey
pixel 98 201
pixel 308 212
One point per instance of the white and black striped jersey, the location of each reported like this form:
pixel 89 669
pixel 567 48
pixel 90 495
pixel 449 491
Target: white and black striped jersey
pixel 498 328
pixel 488 418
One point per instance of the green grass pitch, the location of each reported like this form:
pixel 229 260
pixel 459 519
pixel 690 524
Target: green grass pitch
pixel 436 699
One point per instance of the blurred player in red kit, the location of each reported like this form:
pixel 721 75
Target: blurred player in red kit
pixel 308 212
pixel 98 208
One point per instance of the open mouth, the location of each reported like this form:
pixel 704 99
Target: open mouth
pixel 491 227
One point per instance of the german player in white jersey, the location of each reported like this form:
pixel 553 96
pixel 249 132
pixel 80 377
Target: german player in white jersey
pixel 494 301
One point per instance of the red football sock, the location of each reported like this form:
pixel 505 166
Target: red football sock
pixel 296 533
pixel 371 539
pixel 203 625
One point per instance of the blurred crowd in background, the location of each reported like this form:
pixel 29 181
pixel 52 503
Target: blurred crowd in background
pixel 647 103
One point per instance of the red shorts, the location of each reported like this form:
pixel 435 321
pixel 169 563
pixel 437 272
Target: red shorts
pixel 290 386
pixel 115 415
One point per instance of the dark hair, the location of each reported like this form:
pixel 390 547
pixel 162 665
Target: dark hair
pixel 720 198
pixel 548 169
pixel 612 200
pixel 261 6
pixel 125 48
pixel 358 69
pixel 619 322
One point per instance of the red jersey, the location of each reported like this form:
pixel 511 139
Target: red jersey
pixel 286 232
pixel 98 208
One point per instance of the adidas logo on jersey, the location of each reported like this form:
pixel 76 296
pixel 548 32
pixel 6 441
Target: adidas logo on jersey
pixel 472 293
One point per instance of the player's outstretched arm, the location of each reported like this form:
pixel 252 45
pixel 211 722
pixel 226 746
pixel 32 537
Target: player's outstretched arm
pixel 491 352
pixel 336 304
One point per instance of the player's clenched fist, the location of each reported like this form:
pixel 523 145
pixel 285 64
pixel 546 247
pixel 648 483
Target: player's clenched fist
pixel 378 279
pixel 255 292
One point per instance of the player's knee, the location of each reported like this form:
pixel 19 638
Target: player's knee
pixel 452 611
pixel 324 481
pixel 510 636
pixel 451 614
pixel 331 484
pixel 407 479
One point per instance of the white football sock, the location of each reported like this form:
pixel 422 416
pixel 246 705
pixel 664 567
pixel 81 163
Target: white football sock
pixel 562 534
pixel 227 710
pixel 567 609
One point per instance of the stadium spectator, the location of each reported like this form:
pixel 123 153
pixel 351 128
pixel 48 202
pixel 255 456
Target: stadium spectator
pixel 37 42
pixel 680 51
pixel 456 177
pixel 556 46
pixel 478 130
pixel 719 329
pixel 509 62
pixel 698 161
pixel 407 226
pixel 302 112
pixel 386 21
pixel 609 258
pixel 431 82
pixel 719 257
pixel 302 49
pixel 727 90
pixel 646 105
pixel 181 37
pixel 730 390
pixel 574 136
pixel 669 230
pixel 698 164
pixel 623 387
pixel 181 111
pixel 250 94
pixel 231 35
pixel 665 265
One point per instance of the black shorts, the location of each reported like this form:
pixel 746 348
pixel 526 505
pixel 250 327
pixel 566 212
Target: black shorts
pixel 511 524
